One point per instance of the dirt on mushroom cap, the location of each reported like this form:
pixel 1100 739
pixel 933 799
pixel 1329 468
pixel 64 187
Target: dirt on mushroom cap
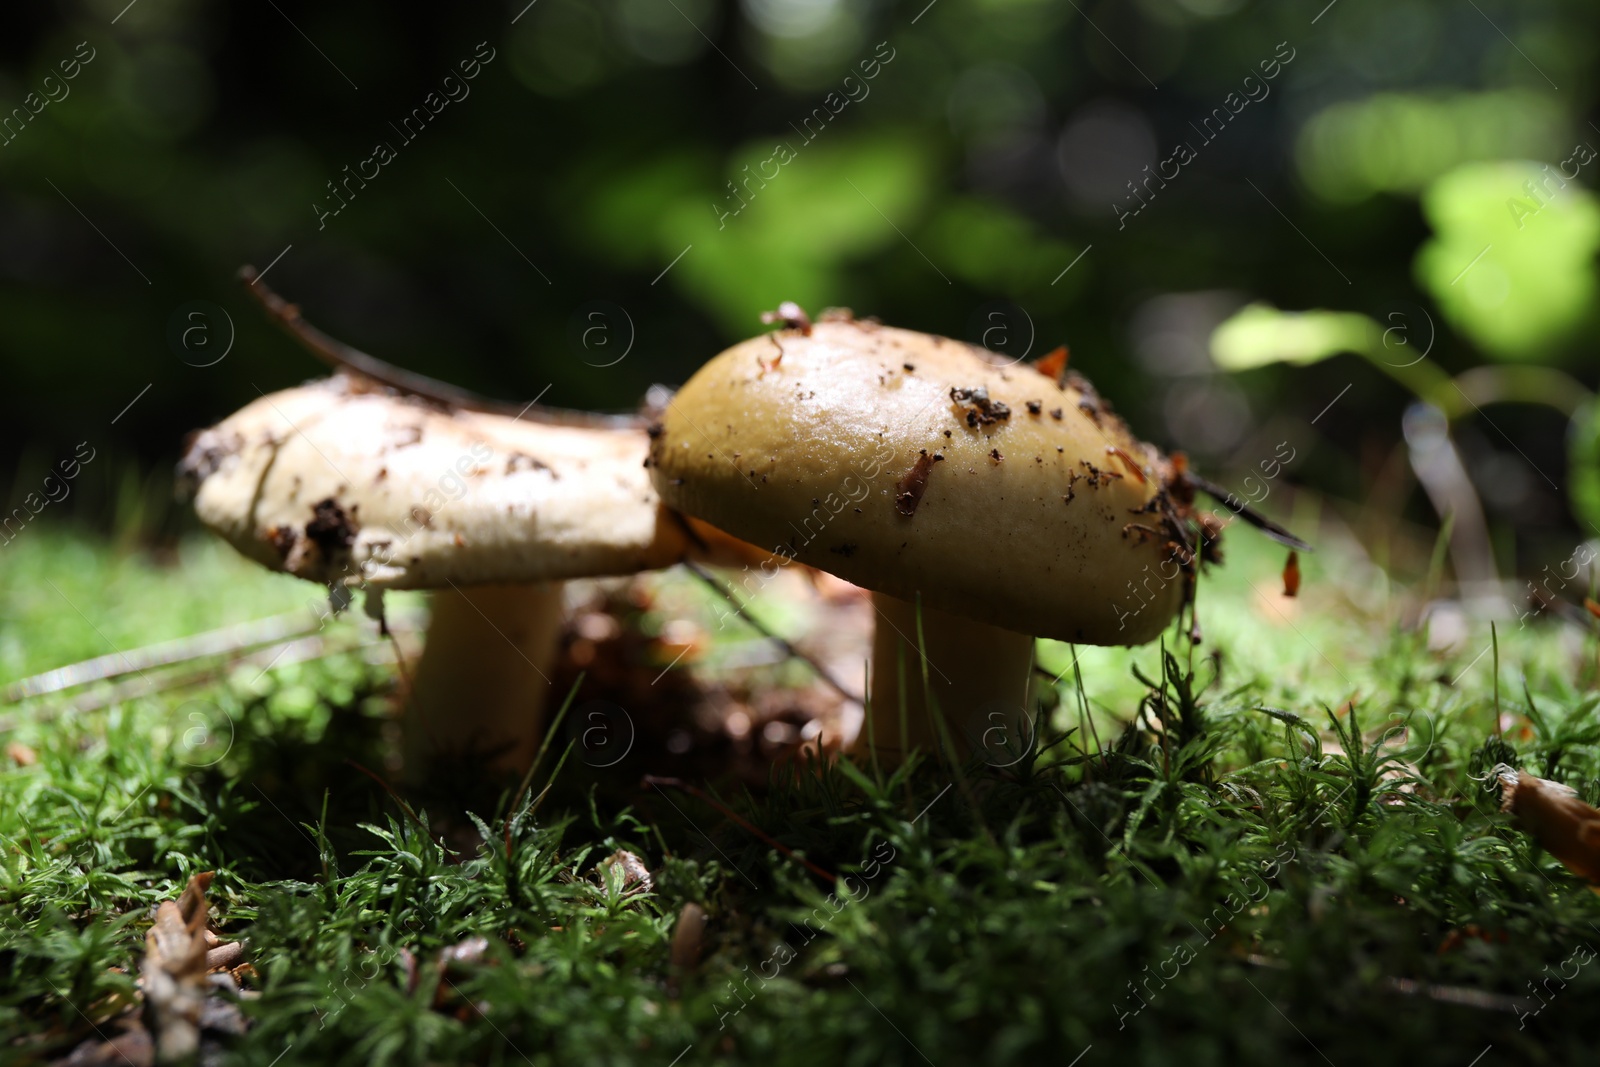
pixel 813 453
pixel 339 482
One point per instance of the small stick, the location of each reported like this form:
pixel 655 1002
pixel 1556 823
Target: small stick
pixel 654 782
pixel 225 641
pixel 226 955
pixel 387 788
pixel 1445 994
pixel 341 356
pixel 1248 513
pixel 296 650
pixel 783 643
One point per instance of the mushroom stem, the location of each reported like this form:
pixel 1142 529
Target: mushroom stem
pixel 483 681
pixel 977 676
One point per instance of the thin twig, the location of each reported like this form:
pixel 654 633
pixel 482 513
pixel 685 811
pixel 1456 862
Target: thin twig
pixel 219 642
pixel 1248 513
pixel 788 648
pixel 295 650
pixel 387 788
pixel 1446 994
pixel 341 356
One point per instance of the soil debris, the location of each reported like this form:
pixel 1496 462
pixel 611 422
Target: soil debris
pixel 790 316
pixel 980 409
pixel 909 489
pixel 1054 365
pixel 1291 574
pixel 330 529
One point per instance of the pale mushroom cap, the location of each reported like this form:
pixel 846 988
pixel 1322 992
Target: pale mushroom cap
pixel 803 453
pixel 424 497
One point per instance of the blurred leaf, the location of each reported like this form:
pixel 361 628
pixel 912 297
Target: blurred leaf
pixel 1512 260
pixel 996 249
pixel 1261 334
pixel 788 230
pixel 623 200
pixel 1399 142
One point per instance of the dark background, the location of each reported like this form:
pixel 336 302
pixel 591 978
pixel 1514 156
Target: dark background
pixel 597 144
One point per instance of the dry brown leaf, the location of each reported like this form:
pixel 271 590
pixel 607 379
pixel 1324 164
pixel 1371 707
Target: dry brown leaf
pixel 1054 364
pixel 635 875
pixel 173 974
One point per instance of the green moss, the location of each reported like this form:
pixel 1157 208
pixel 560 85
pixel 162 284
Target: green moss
pixel 1246 877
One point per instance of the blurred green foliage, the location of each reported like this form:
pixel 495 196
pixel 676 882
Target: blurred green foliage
pixel 1260 335
pixel 1399 142
pixel 955 167
pixel 1511 262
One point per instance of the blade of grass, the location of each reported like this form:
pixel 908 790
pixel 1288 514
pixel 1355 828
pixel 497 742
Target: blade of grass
pixel 544 746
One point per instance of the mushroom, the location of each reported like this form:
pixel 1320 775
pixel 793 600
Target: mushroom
pixel 983 504
pixel 358 487
pixel 1558 819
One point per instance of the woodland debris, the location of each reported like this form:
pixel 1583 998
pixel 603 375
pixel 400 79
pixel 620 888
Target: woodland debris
pixel 465 953
pixel 688 936
pixel 1291 575
pixel 635 875
pixel 173 974
pixel 189 986
pixel 130 1048
pixel 224 956
pixel 789 316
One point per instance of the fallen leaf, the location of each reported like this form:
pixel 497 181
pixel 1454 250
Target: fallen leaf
pixel 635 875
pixel 173 974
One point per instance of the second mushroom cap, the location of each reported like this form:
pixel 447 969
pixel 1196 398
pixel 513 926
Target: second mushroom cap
pixel 912 464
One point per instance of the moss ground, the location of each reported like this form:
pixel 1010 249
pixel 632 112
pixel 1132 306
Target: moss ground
pixel 1284 850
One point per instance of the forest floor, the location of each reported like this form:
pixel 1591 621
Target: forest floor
pixel 1284 845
